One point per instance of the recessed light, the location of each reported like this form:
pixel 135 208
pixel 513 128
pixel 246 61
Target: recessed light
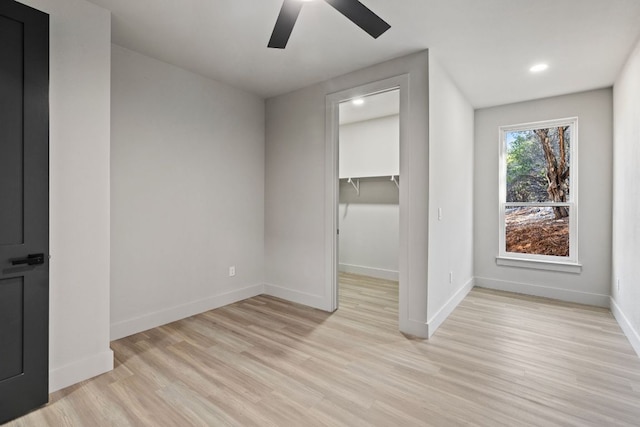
pixel 358 101
pixel 538 68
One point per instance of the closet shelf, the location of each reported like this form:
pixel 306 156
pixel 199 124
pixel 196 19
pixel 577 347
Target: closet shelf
pixel 355 181
pixel 378 177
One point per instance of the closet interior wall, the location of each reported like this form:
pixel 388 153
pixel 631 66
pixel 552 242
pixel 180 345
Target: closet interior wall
pixel 369 210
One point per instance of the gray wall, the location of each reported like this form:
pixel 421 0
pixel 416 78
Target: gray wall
pixel 80 47
pixel 295 194
pixel 451 190
pixel 591 286
pixel 626 200
pixel 187 193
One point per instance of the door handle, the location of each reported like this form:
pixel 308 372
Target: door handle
pixel 31 259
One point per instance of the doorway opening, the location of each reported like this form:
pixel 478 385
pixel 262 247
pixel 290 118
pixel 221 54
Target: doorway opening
pixel 368 180
pixel 369 200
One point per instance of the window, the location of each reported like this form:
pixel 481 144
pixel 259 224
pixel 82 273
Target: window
pixel 538 194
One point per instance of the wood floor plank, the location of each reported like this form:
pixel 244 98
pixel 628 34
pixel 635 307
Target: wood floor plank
pixel 500 359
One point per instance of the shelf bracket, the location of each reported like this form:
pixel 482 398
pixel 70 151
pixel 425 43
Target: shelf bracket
pixel 356 185
pixel 395 181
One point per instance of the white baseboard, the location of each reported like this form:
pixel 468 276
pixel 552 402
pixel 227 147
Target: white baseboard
pixel 544 291
pixel 81 370
pixel 379 273
pixel 415 328
pixel 626 326
pixel 310 300
pixel 434 323
pixel 151 320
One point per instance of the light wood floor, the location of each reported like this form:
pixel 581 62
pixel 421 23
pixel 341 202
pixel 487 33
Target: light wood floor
pixel 500 359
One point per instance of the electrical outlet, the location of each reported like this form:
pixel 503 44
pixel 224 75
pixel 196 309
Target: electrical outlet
pixel 232 271
pixel 451 277
pixel 439 214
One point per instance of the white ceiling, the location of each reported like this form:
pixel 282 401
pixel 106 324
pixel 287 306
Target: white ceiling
pixel 377 105
pixel 486 45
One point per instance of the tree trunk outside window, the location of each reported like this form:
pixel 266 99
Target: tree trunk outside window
pixel 557 171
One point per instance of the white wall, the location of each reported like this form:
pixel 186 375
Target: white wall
pixel 295 193
pixel 80 46
pixel 369 228
pixel 626 200
pixel 451 154
pixel 187 193
pixel 370 148
pixel 370 223
pixel 591 286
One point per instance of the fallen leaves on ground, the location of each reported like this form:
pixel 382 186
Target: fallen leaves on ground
pixel 536 231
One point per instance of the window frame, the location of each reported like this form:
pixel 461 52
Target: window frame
pixel 547 262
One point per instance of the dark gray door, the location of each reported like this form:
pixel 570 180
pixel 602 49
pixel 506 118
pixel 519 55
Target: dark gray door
pixel 24 209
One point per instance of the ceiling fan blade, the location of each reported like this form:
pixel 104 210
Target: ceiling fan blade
pixel 284 25
pixel 361 15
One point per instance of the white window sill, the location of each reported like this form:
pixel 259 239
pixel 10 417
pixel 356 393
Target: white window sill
pixel 565 267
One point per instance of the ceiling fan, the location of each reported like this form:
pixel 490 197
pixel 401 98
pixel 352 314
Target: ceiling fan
pixel 355 11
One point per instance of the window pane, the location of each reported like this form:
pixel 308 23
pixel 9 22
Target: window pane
pixel 537 230
pixel 538 165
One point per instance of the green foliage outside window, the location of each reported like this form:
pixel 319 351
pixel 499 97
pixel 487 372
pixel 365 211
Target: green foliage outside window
pixel 526 180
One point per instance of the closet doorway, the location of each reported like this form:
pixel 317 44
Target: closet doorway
pixel 369 199
pixel 366 133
